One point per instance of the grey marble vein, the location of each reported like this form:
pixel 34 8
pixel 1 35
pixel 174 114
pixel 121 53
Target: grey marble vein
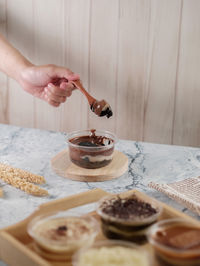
pixel 32 150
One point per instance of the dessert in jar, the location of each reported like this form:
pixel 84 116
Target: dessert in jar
pixel 62 234
pixel 91 148
pixel 127 216
pixel 176 242
pixel 111 252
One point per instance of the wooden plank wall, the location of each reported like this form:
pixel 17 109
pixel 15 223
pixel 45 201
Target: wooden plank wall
pixel 142 56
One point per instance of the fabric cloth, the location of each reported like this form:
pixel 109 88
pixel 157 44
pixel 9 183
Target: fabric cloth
pixel 185 192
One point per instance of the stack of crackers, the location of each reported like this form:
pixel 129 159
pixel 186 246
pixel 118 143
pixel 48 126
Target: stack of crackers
pixel 23 180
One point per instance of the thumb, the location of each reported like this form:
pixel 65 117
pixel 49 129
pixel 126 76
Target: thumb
pixel 62 72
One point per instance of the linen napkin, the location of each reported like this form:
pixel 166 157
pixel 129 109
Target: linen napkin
pixel 185 192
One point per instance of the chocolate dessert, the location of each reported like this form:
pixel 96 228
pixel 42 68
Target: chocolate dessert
pixel 176 242
pixel 91 150
pixel 127 217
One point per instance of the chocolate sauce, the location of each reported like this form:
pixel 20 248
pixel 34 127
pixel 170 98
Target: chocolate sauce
pixel 91 140
pixel 101 108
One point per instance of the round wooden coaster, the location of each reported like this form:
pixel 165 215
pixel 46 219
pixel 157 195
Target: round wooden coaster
pixel 62 166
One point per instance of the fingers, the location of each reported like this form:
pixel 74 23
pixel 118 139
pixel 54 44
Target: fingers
pixel 68 88
pixel 51 102
pixel 55 98
pixel 65 89
pixel 55 95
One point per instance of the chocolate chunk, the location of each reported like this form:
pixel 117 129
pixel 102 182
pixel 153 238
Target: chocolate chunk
pixel 108 112
pixel 62 228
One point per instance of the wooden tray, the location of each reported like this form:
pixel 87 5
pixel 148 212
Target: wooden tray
pixel 16 247
pixel 62 166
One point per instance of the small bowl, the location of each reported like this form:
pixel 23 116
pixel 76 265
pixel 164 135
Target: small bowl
pixel 91 148
pixel 111 252
pixel 63 232
pixel 133 228
pixel 175 242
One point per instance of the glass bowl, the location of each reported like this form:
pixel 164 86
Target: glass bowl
pixel 127 216
pixel 175 242
pixel 111 252
pixel 91 148
pixel 63 232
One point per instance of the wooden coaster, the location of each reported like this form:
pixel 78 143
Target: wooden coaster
pixel 62 166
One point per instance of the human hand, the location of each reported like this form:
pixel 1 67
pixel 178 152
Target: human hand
pixel 49 82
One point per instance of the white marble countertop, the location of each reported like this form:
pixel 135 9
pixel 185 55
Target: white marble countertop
pixel 32 150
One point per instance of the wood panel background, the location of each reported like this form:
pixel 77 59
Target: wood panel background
pixel 142 56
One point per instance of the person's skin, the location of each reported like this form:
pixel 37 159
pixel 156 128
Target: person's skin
pixel 48 82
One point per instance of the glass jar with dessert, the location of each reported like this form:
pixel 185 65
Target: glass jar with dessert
pixel 176 242
pixel 91 148
pixel 112 252
pixel 58 236
pixel 127 216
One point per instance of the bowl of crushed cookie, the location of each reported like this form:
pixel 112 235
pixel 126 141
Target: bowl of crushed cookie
pixel 62 233
pixel 112 252
pixel 91 148
pixel 175 242
pixel 127 217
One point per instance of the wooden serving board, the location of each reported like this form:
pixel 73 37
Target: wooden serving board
pixel 62 166
pixel 16 247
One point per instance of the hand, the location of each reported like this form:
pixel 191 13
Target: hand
pixel 50 83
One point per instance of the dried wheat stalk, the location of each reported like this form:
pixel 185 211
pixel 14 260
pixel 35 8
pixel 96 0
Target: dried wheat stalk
pixel 22 179
pixel 23 185
pixel 24 175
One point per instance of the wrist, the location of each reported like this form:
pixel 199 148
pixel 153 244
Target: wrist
pixel 18 73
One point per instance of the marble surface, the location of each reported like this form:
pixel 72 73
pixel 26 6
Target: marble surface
pixel 32 150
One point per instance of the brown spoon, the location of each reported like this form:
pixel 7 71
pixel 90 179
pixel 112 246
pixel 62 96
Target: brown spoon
pixel 100 108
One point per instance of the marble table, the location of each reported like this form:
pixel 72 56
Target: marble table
pixel 32 150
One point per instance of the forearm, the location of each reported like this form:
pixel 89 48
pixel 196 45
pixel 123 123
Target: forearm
pixel 12 62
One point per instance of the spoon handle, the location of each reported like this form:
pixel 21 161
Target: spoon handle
pixel 79 86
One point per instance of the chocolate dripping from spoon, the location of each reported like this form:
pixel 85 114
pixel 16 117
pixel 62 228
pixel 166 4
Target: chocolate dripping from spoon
pixel 100 108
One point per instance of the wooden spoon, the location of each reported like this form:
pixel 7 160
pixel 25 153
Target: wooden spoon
pixel 100 108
